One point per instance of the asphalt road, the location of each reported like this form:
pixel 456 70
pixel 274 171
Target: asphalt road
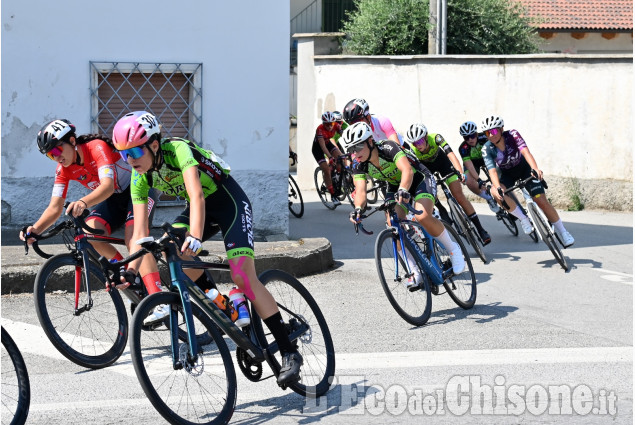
pixel 540 346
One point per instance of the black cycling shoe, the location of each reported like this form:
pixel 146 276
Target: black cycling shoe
pixel 290 369
pixel 485 237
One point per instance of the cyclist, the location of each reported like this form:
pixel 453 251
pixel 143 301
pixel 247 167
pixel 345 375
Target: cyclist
pixel 179 167
pixel 358 110
pixel 92 161
pixel 437 155
pixel 324 147
pixel 470 151
pixel 343 126
pixel 508 151
pixel 407 179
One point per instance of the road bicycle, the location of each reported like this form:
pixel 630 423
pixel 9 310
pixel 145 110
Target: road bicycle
pixel 296 205
pixel 85 322
pixel 414 305
pixel 502 214
pixel 463 225
pixel 343 184
pixel 16 389
pixel 188 382
pixel 538 218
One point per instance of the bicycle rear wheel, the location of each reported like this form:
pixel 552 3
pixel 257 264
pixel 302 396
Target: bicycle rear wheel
pixel 467 228
pixel 16 390
pixel 95 335
pixel 322 191
pixel 460 287
pixel 203 392
pixel 296 205
pixel 315 345
pixel 414 307
pixel 508 221
pixel 547 235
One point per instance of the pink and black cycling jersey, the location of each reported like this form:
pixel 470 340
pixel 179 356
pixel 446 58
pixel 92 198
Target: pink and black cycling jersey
pixel 100 160
pixel 508 158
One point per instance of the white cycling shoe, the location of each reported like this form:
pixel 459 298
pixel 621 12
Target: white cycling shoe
pixel 160 312
pixel 456 257
pixel 493 206
pixel 566 238
pixel 527 226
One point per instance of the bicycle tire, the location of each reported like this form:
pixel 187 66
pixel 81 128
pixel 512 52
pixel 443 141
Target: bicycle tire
pixel 94 338
pixel 315 346
pixel 322 191
pixel 295 198
pixel 372 195
pixel 461 287
pixel 414 307
pixel 547 235
pixel 470 232
pixel 348 186
pixel 508 221
pixel 16 389
pixel 185 395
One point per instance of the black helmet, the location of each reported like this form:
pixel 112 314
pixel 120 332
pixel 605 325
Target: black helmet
pixel 355 110
pixel 53 133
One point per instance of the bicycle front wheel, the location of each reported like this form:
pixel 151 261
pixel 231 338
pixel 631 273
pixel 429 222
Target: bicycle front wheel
pixel 547 235
pixel 371 190
pixel 316 345
pixel 461 287
pixel 415 306
pixel 89 331
pixel 467 228
pixel 320 186
pixel 16 390
pixel 296 206
pixel 199 392
pixel 508 221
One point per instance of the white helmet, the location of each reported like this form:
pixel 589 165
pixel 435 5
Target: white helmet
pixel 328 117
pixel 416 132
pixel 467 128
pixel 356 134
pixel 491 122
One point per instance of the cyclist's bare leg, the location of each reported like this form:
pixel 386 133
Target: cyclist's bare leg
pixel 547 208
pixel 457 192
pixel 336 154
pixel 426 219
pixel 103 248
pixel 508 199
pixel 243 273
pixel 326 172
pixel 472 185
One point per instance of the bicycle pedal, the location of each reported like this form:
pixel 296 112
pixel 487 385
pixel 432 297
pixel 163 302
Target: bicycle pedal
pixel 434 289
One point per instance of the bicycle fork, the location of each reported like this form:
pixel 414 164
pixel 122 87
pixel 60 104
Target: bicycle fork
pixel 78 285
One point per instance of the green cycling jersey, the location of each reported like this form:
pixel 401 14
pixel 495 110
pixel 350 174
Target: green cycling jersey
pixel 179 155
pixel 435 141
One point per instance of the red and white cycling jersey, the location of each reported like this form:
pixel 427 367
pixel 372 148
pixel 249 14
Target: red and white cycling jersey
pixel 100 160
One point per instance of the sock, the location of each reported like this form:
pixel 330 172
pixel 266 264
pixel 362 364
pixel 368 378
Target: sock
pixel 117 257
pixel 445 240
pixel 152 281
pixel 518 213
pixel 476 222
pixel 203 283
pixel 485 195
pixel 331 190
pixel 559 226
pixel 279 332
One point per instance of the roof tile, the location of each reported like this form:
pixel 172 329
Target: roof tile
pixel 582 14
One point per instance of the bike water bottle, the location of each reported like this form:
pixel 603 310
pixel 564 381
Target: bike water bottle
pixel 222 303
pixel 240 304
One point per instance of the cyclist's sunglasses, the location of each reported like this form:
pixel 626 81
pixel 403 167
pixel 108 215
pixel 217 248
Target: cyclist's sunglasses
pixel 134 153
pixel 55 152
pixel 357 148
pixel 492 132
pixel 420 142
pixel 469 136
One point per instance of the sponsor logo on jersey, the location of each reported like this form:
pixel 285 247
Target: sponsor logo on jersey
pixel 231 245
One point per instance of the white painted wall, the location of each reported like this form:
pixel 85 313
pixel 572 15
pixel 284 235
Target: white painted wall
pixel 574 111
pixel 243 45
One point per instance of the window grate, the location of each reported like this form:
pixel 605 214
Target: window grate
pixel 171 91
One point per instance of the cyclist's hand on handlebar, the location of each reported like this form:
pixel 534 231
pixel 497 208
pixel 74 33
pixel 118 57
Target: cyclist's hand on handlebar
pixel 497 193
pixel 537 173
pixel 28 231
pixel 191 246
pixel 331 161
pixel 356 216
pixel 76 208
pixel 402 196
pixel 480 182
pixel 127 278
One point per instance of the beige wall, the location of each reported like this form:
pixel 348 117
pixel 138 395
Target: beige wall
pixel 575 112
pixel 591 43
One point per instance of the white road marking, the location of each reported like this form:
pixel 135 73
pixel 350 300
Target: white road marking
pixel 614 276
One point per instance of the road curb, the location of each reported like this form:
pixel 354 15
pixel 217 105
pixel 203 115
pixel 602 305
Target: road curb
pixel 298 257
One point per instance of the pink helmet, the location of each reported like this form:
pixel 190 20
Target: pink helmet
pixel 135 129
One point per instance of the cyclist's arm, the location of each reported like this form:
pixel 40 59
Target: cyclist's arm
pixel 531 161
pixel 104 190
pixel 406 172
pixel 322 143
pixel 360 190
pixel 471 170
pixel 197 201
pixel 48 217
pixel 455 161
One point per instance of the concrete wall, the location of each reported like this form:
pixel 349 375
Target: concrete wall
pixel 46 51
pixel 575 112
pixel 591 43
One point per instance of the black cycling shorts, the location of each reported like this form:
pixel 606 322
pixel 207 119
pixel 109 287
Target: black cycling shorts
pixel 520 172
pixel 117 210
pixel 318 153
pixel 423 186
pixel 228 210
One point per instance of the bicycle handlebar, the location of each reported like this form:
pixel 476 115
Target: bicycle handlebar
pixel 70 223
pixel 519 185
pixel 385 206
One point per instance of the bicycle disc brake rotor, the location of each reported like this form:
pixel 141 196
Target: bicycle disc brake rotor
pixel 252 370
pixel 194 369
pixel 294 325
